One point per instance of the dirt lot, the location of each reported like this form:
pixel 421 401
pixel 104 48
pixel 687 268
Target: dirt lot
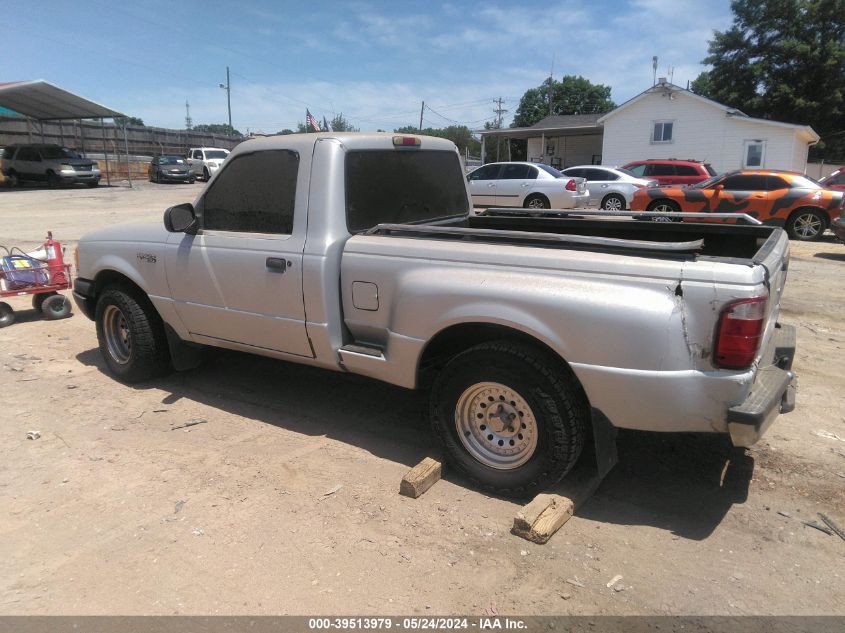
pixel 285 499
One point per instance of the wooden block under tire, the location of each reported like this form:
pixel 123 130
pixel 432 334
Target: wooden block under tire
pixel 420 478
pixel 541 518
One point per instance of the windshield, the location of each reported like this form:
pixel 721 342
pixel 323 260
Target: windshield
pixel 171 160
pixel 402 186
pixel 215 153
pixel 706 183
pixel 550 170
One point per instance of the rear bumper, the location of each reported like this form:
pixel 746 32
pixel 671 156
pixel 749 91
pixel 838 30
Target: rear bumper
pixel 772 393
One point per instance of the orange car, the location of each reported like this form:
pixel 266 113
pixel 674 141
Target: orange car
pixel 783 198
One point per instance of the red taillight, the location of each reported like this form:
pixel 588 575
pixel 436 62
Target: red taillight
pixel 570 186
pixel 740 330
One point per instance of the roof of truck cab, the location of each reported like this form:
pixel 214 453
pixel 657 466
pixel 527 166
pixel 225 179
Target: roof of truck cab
pixel 351 140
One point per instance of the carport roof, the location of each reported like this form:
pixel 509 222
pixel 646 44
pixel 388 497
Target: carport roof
pixel 555 125
pixel 42 100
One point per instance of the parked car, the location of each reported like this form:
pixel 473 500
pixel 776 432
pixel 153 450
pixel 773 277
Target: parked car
pixel 359 253
pixel 205 161
pixel 170 168
pixel 53 164
pixel 780 198
pixel 531 185
pixel 610 188
pixel 835 181
pixel 671 171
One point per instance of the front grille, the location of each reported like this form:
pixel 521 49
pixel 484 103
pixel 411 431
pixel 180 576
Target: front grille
pixel 83 167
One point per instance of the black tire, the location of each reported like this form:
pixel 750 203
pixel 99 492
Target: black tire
pixel 56 307
pixel 93 184
pixel 191 180
pixel 613 202
pixel 205 175
pixel 7 315
pixel 146 353
pixel 53 180
pixel 806 225
pixel 665 206
pixel 548 394
pixel 12 180
pixel 537 201
pixel 39 299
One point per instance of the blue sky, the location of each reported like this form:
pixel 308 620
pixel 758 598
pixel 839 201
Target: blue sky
pixel 373 61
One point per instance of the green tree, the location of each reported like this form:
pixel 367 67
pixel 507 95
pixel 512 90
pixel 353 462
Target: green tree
pixel 340 124
pixel 128 120
pixel 285 131
pixel 216 128
pixel 783 60
pixel 571 95
pixel 460 135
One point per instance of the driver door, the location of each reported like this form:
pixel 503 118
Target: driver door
pixel 482 185
pixel 239 279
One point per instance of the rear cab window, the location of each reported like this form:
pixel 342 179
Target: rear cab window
pixel 399 187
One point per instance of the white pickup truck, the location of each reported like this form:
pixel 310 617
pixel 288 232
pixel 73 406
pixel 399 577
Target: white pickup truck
pixel 360 253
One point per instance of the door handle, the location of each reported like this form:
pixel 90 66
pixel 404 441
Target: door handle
pixel 491 184
pixel 276 264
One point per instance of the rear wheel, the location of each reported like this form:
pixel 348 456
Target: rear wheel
pixel 664 206
pixel 56 307
pixel 131 336
pixel 53 180
pixel 537 201
pixel 806 225
pixel 613 202
pixel 510 417
pixel 7 315
pixel 12 179
pixel 39 299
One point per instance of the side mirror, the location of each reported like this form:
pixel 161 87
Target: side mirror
pixel 181 219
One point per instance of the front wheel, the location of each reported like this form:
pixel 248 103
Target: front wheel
pixel 131 336
pixel 664 206
pixel 510 417
pixel 806 225
pixel 205 175
pixel 12 180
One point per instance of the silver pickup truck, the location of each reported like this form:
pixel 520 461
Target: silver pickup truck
pixel 360 253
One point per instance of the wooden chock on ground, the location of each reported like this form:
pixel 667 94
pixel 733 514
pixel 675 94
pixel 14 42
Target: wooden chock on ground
pixel 542 517
pixel 420 478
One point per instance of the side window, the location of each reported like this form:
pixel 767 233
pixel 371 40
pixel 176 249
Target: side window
pixel 28 153
pixel 198 154
pixel 660 169
pixel 686 170
pixel 485 172
pixel 254 193
pixel 662 132
pixel 637 170
pixel 515 172
pixel 9 152
pixel 594 175
pixel 745 183
pixel 775 182
pixel 574 172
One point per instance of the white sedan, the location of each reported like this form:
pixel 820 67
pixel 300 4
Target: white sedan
pixel 611 188
pixel 530 185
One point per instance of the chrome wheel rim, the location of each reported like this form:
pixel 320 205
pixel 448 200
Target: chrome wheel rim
pixel 808 225
pixel 496 425
pixel 663 208
pixel 118 338
pixel 536 203
pixel 613 204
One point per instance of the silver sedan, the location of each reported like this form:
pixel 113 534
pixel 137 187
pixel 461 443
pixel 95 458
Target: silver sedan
pixel 611 188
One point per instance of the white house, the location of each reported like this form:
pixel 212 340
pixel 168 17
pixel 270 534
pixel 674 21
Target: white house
pixel 667 121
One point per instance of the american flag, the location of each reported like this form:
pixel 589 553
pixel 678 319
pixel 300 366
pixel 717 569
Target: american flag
pixel 327 126
pixel 311 122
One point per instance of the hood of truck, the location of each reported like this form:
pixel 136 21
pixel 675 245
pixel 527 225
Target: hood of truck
pixel 133 232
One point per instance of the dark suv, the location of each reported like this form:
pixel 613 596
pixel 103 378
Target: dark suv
pixel 671 171
pixel 53 164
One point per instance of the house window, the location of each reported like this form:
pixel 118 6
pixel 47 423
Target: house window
pixel 662 132
pixel 755 153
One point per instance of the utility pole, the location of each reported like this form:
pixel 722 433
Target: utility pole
pixel 188 121
pixel 422 109
pixel 228 88
pixel 551 82
pixel 654 70
pixel 499 112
